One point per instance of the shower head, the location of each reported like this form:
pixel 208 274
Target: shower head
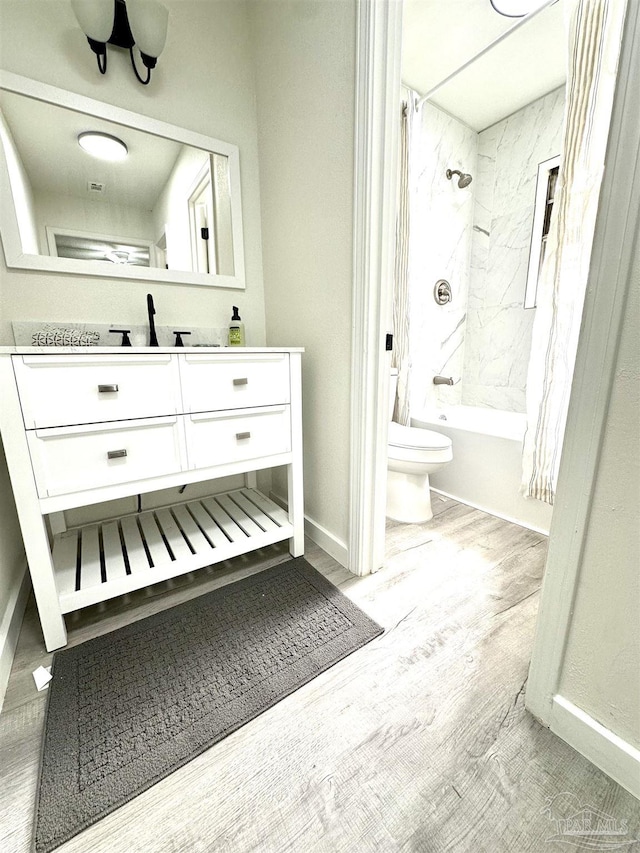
pixel 463 181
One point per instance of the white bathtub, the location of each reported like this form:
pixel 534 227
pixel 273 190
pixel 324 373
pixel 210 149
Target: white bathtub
pixel 487 462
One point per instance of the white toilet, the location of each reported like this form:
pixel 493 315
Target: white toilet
pixel 413 454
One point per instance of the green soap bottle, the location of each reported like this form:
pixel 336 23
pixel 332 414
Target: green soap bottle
pixel 236 329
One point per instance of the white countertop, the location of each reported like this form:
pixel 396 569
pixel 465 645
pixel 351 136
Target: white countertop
pixel 85 350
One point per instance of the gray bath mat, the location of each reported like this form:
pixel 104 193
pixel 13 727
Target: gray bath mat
pixel 130 707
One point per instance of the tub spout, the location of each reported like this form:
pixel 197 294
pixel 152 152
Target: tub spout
pixel 443 380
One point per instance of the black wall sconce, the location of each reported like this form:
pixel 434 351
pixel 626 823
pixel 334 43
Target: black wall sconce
pixel 124 24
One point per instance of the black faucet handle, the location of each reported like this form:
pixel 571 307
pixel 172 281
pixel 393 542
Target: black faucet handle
pixel 126 342
pixel 179 341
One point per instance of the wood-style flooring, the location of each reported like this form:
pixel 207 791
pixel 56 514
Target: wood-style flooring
pixel 417 742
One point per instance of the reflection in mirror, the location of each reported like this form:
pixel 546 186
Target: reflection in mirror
pixel 169 208
pixel 96 247
pixel 144 197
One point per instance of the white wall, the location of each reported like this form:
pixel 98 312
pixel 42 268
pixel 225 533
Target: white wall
pixel 601 668
pixel 305 82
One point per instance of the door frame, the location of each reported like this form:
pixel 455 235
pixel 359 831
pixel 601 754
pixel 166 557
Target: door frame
pixel 377 135
pixel 611 276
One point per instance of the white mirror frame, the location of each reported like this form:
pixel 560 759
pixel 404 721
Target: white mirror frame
pixel 9 231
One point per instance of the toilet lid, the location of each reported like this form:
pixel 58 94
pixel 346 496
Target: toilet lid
pixel 426 439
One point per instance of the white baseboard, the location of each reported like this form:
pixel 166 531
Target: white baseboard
pixel 335 547
pixel 510 518
pixel 10 628
pixel 602 747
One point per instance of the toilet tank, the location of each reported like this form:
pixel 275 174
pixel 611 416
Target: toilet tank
pixel 393 386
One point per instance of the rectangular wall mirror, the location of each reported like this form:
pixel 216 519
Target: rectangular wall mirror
pixel 168 211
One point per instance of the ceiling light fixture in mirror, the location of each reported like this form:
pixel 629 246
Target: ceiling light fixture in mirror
pixel 176 193
pixel 516 8
pixel 102 145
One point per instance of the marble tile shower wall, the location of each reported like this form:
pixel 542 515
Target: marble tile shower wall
pixel 477 238
pixel 498 328
pixel 440 247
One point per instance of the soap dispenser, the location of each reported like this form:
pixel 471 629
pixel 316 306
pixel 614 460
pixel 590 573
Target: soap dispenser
pixel 236 329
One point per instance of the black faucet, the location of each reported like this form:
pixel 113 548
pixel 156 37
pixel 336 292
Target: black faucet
pixel 153 338
pixel 179 341
pixel 126 340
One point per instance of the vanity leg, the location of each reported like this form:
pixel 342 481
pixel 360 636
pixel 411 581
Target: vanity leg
pixel 296 510
pixel 32 522
pixel 57 523
pixel 294 470
pixel 44 585
pixel 251 479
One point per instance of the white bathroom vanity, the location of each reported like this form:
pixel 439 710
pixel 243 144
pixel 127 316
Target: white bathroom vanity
pixel 85 425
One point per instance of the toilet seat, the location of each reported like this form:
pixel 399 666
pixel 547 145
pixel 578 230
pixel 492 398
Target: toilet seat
pixel 415 437
pixel 423 449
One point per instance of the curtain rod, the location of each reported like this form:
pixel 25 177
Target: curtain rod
pixel 484 50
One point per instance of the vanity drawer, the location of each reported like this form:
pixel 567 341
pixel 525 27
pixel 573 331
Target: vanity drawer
pixel 63 390
pixel 212 382
pixel 73 459
pixel 219 438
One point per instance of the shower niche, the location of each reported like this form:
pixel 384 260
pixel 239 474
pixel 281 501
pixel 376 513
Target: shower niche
pixel 546 187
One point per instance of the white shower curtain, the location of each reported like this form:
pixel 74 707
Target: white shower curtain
pixel 595 31
pixel 400 354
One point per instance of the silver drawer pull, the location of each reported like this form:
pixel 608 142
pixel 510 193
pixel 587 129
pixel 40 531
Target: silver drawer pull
pixel 107 389
pixel 116 454
pixel 242 435
pixel 243 381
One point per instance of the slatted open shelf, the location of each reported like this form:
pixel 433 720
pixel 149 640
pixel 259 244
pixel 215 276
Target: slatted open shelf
pixel 100 561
